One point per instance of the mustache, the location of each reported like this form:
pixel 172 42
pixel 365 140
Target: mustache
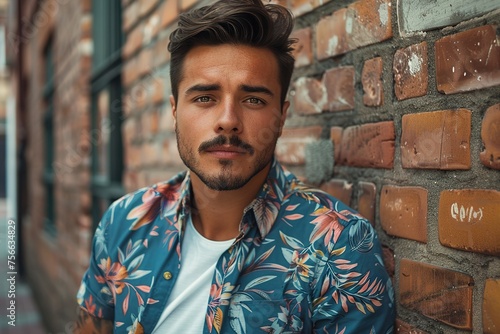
pixel 223 140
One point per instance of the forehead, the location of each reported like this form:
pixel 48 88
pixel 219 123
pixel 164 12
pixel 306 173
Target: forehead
pixel 230 64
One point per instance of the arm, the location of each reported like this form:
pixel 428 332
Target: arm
pixel 88 324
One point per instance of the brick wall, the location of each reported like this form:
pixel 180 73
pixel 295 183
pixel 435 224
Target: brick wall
pixel 409 96
pixel 55 262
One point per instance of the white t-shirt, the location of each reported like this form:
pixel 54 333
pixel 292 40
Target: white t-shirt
pixel 187 304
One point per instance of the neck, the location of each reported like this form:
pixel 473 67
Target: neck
pixel 217 214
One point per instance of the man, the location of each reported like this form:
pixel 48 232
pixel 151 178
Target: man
pixel 236 244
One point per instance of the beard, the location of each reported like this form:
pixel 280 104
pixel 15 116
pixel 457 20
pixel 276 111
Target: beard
pixel 230 176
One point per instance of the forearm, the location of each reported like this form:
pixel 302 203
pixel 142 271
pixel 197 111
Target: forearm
pixel 88 324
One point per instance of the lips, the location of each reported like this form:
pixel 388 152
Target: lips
pixel 226 148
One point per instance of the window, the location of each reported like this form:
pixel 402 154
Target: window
pixel 48 125
pixel 107 156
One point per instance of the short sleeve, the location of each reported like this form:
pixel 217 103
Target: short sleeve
pixel 94 294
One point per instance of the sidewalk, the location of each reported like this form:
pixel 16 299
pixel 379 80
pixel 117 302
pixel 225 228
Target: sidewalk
pixel 27 318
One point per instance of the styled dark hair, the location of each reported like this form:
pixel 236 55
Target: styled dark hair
pixel 246 22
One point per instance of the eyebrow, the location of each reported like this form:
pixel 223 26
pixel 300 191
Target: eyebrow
pixel 256 89
pixel 202 88
pixel 212 87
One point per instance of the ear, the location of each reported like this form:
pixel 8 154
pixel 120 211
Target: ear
pixel 284 111
pixel 174 110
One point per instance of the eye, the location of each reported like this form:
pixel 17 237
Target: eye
pixel 254 100
pixel 203 99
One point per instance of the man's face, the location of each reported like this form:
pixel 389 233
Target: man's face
pixel 228 114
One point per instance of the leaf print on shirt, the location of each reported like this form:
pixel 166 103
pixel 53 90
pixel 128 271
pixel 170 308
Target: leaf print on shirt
pixel 361 236
pixel 158 197
pixel 327 227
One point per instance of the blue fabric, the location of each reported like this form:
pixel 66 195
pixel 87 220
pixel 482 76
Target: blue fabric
pixel 303 263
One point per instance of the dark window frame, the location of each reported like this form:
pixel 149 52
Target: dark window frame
pixel 49 140
pixel 106 75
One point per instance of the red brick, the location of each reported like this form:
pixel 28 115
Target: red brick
pixel 468 220
pixel 303 48
pixel 339 84
pixel 405 328
pixel 403 212
pixel 300 7
pixel 129 73
pixel 468 60
pixel 368 145
pixel 145 61
pixel 340 189
pixel 438 293
pixel 158 87
pixel 491 306
pixel 490 130
pixel 160 52
pixel 410 71
pixel 146 6
pixel 134 41
pixel 366 200
pixel 371 78
pixel 436 140
pixel 336 138
pixel 290 149
pixel 130 16
pixel 169 13
pixel 309 97
pixel 362 23
pixel 186 4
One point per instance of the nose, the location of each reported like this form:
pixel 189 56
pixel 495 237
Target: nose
pixel 228 118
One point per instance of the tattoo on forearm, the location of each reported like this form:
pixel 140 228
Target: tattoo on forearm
pixel 88 324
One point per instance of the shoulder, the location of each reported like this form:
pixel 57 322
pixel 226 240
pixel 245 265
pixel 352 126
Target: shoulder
pixel 142 206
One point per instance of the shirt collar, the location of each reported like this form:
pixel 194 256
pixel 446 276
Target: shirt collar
pixel 265 207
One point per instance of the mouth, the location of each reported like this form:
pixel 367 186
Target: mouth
pixel 226 151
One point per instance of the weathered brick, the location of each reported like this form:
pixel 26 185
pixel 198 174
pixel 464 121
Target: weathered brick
pixel 336 138
pixel 146 6
pixel 405 328
pixel 130 16
pixel 339 84
pixel 436 140
pixel 468 60
pixel 145 62
pixel 468 220
pixel 303 48
pixel 290 149
pixel 368 145
pixel 158 87
pixel 371 78
pixel 366 200
pixel 134 41
pixel 309 97
pixel 490 134
pixel 186 4
pixel 300 7
pixel 340 189
pixel 403 212
pixel 491 306
pixel 160 52
pixel 410 71
pixel 362 23
pixel 438 293
pixel 169 12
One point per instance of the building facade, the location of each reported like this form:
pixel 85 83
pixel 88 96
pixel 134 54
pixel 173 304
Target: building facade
pixel 395 110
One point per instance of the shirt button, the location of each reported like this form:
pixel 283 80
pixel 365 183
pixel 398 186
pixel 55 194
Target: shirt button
pixel 167 275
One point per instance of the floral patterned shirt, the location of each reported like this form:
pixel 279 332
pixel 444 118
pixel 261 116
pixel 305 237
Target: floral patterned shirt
pixel 303 263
